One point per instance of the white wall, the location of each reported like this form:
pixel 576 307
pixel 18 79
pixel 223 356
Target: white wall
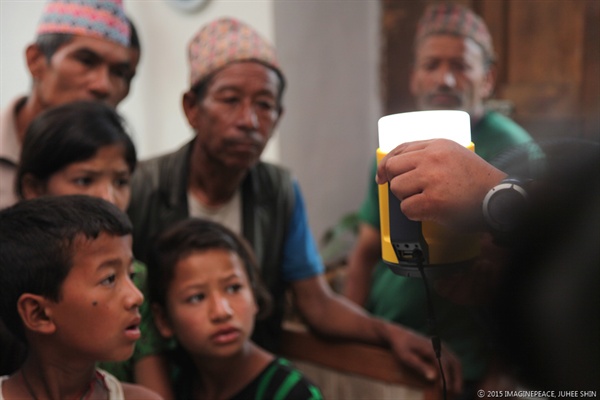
pixel 329 53
pixel 18 20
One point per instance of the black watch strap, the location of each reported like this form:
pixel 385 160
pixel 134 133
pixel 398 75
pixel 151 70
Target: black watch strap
pixel 504 206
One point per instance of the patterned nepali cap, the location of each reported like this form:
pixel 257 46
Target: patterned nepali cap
pixel 103 19
pixel 455 19
pixel 224 41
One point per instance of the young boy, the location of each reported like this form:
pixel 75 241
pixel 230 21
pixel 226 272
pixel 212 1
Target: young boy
pixel 66 265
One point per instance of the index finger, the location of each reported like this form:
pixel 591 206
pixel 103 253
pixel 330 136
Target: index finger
pixel 392 164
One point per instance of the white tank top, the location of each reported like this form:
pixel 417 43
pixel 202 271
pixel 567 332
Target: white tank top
pixel 115 389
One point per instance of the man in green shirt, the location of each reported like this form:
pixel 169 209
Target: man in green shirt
pixel 453 70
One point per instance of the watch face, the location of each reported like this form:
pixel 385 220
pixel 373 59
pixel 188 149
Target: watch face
pixel 187 5
pixel 504 206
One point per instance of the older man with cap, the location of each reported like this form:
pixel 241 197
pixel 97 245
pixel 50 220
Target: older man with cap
pixel 453 70
pixel 234 104
pixel 80 52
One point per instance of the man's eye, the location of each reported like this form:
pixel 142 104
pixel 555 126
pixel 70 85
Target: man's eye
pixel 230 100
pixel 266 105
pixel 122 182
pixel 460 67
pixel 430 66
pixel 122 72
pixel 87 60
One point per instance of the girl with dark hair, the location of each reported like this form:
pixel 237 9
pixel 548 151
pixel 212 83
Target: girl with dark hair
pixel 206 292
pixel 77 148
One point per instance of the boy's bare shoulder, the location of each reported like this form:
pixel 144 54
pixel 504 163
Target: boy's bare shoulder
pixel 138 392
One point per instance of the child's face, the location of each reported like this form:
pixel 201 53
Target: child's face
pixel 97 316
pixel 210 304
pixel 106 175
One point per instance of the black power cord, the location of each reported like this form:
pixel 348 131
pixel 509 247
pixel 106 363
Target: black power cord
pixel 431 322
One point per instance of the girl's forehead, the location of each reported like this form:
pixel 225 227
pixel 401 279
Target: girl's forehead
pixel 216 263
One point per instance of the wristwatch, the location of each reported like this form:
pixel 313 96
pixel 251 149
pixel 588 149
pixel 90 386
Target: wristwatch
pixel 505 204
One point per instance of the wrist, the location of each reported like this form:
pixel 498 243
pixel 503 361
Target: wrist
pixel 383 331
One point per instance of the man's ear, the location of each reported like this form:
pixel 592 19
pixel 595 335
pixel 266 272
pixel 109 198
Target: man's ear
pixel 190 107
pixel 36 61
pixel 489 82
pixel 33 311
pixel 279 115
pixel 161 321
pixel 412 83
pixel 31 187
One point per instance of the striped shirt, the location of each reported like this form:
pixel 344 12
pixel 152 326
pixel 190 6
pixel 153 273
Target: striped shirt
pixel 280 380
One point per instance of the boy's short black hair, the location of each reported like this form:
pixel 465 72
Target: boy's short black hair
pixel 195 235
pixel 36 245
